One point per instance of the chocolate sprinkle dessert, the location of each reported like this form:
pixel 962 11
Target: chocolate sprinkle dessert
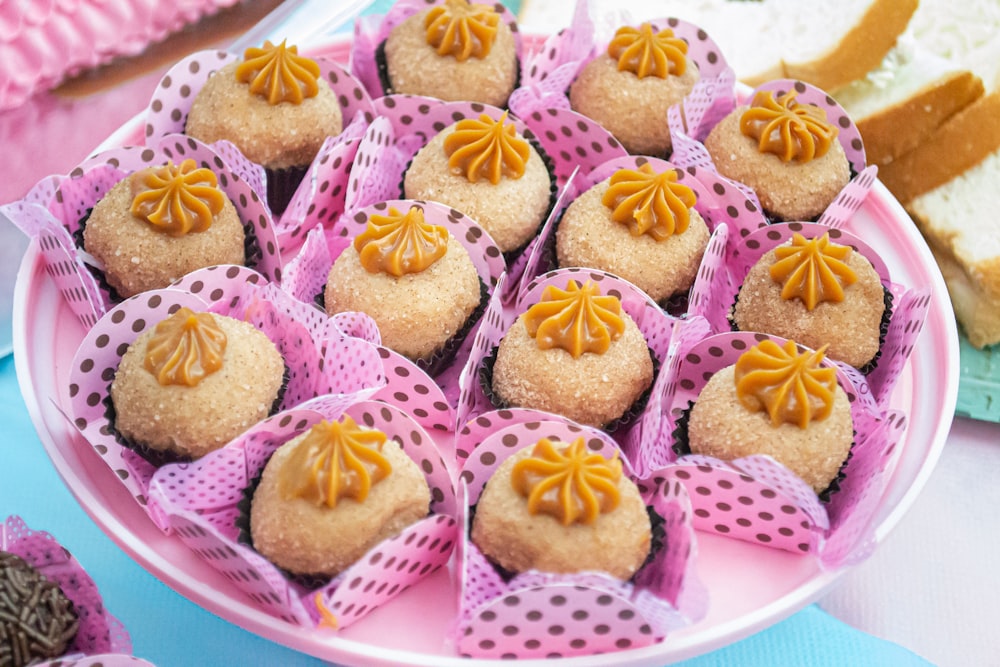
pixel 37 621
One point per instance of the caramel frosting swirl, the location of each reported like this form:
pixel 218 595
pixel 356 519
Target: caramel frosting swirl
pixel 790 130
pixel 400 243
pixel 812 270
pixel 649 202
pixel 644 53
pixel 567 481
pixel 278 73
pixel 335 460
pixel 185 348
pixel 461 29
pixel 176 200
pixel 486 148
pixel 577 319
pixel 792 386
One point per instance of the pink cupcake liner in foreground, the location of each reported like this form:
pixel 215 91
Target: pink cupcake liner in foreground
pixel 371 30
pixel 101 638
pixel 757 499
pixel 233 291
pixel 909 306
pixel 52 212
pixel 200 503
pixel 538 614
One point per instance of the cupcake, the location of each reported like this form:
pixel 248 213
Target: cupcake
pixel 37 621
pixel 275 107
pixel 629 88
pixel 328 496
pixel 454 51
pixel 779 401
pixel 413 278
pixel 561 508
pixel 488 171
pixel 818 293
pixel 575 353
pixel 639 224
pixel 159 224
pixel 194 382
pixel 785 151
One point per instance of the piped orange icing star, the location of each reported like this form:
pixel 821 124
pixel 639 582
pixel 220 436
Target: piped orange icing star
pixel 461 29
pixel 790 130
pixel 185 348
pixel 649 202
pixel 176 200
pixel 278 73
pixel 486 148
pixel 578 319
pixel 645 53
pixel 568 482
pixel 400 243
pixel 335 460
pixel 793 387
pixel 812 270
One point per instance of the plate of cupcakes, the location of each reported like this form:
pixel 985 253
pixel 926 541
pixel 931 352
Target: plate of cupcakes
pixel 477 362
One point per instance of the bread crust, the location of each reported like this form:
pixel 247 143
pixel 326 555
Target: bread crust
pixel 962 142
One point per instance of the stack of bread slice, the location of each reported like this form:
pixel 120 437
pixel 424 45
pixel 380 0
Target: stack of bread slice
pixel 920 78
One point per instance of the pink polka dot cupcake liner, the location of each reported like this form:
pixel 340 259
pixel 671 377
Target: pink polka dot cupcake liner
pixel 171 101
pixel 647 425
pixel 905 314
pixel 549 73
pixel 200 503
pixel 703 109
pixel 758 500
pixel 545 615
pixel 371 31
pixel 307 273
pixel 233 291
pixel 101 638
pixel 55 211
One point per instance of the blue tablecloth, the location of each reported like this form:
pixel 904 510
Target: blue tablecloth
pixel 169 630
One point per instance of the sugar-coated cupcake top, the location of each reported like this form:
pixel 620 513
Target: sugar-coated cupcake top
pixel 568 481
pixel 645 53
pixel 812 270
pixel 335 460
pixel 278 73
pixel 578 319
pixel 461 29
pixel 176 200
pixel 487 148
pixel 185 348
pixel 400 243
pixel 793 387
pixel 790 130
pixel 650 202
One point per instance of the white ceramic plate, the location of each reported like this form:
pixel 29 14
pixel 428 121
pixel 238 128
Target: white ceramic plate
pixel 751 587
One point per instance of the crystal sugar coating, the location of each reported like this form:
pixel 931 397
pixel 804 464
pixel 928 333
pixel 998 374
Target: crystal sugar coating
pixel 335 460
pixel 568 481
pixel 578 319
pixel 278 73
pixel 185 347
pixel 790 130
pixel 176 200
pixel 461 29
pixel 648 202
pixel 791 386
